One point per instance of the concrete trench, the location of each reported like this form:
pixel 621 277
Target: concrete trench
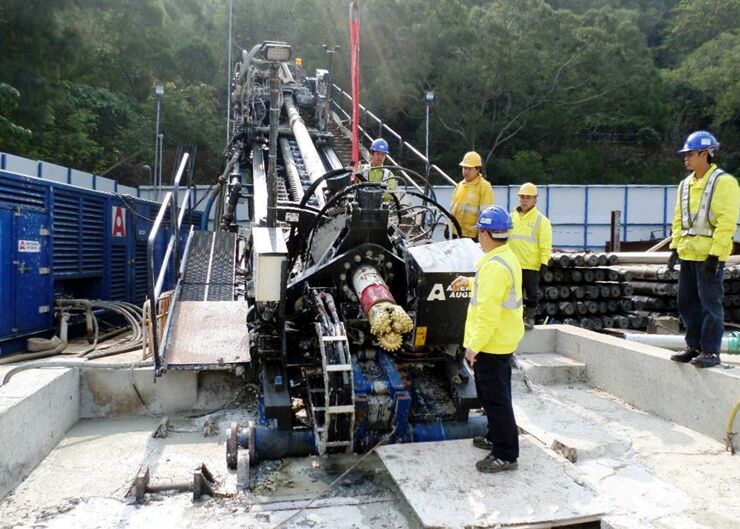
pixel 641 435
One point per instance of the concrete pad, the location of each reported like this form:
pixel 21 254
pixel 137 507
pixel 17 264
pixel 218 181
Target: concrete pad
pixel 650 472
pixel 550 368
pixel 83 483
pixel 441 485
pixel 36 410
pixel 645 377
pixel 568 431
pixel 541 339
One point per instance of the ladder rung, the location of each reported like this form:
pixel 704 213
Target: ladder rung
pixel 334 338
pixel 339 367
pixel 341 409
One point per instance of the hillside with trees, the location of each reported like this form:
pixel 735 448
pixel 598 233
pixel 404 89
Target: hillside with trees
pixel 558 91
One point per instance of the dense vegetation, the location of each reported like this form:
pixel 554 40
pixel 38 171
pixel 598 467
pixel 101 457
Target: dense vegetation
pixel 556 91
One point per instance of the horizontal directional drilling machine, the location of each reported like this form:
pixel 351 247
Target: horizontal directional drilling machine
pixel 353 333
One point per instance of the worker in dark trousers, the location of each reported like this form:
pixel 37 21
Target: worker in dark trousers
pixel 704 224
pixel 470 197
pixel 493 330
pixel 531 242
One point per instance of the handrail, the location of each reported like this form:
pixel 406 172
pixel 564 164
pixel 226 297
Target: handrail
pixel 392 132
pixel 171 256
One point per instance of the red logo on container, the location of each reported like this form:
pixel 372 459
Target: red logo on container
pixel 119 222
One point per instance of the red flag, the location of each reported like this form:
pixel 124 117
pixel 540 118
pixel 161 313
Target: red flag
pixel 354 35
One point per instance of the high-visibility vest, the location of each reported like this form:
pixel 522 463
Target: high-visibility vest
pixel 703 222
pixel 512 301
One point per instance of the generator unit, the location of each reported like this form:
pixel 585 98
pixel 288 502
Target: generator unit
pixel 61 240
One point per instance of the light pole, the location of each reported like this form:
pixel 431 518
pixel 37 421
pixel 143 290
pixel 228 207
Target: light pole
pixel 330 51
pixel 158 95
pixel 428 102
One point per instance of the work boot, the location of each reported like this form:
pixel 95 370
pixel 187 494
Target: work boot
pixel 492 464
pixel 482 442
pixel 529 314
pixel 685 356
pixel 706 360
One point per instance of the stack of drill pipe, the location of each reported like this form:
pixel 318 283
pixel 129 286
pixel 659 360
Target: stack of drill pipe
pixel 584 289
pixel 620 290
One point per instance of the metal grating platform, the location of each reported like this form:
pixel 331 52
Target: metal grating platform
pixel 209 274
pixel 209 335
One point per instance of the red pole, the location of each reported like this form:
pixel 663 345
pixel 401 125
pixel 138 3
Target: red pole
pixel 354 35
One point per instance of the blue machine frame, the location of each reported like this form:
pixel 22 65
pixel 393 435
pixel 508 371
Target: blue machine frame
pixel 58 239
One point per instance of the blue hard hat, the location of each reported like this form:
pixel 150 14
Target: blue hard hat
pixel 494 218
pixel 701 140
pixel 380 145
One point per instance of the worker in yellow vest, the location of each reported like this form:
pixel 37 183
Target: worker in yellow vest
pixel 373 171
pixel 471 196
pixel 493 330
pixel 531 242
pixel 704 225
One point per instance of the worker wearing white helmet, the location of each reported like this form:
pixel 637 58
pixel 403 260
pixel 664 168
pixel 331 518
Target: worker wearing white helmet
pixel 471 196
pixel 531 242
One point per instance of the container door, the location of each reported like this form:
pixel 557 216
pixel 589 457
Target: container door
pixel 6 273
pixel 31 267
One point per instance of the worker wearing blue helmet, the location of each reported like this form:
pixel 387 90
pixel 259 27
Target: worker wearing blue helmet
pixel 704 225
pixel 373 170
pixel 493 329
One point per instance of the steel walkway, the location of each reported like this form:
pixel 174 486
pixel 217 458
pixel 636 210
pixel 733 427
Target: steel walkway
pixel 207 328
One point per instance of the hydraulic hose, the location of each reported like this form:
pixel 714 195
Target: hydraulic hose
pixel 78 363
pixel 730 433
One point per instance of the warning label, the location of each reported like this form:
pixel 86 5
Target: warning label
pixel 26 246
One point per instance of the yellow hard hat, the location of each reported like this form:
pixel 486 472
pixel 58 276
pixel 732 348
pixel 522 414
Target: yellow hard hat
pixel 298 62
pixel 471 159
pixel 528 190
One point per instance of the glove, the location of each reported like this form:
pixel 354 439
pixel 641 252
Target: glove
pixel 672 260
pixel 543 269
pixel 711 266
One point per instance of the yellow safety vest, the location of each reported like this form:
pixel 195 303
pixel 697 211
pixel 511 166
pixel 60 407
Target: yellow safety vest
pixel 494 323
pixel 531 238
pixel 468 200
pixel 380 175
pixel 705 217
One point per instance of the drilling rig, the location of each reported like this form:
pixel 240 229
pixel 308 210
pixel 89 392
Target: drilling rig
pixel 352 332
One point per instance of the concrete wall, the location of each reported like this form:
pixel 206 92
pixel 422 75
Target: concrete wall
pixel 645 377
pixel 36 410
pixel 107 393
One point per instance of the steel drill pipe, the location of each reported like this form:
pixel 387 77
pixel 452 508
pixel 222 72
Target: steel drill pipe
pixel 648 302
pixel 650 272
pixel 653 288
pixel 311 157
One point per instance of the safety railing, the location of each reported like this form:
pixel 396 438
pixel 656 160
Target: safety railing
pixel 382 128
pixel 155 282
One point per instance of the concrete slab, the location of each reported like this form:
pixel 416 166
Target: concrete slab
pixel 549 368
pixel 649 472
pixel 645 377
pixel 36 410
pixel 83 482
pixel 444 490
